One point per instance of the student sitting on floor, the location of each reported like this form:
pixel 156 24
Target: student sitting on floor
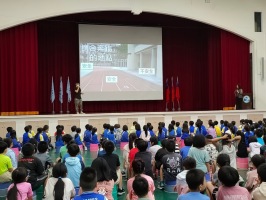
pixel 19 189
pixel 181 184
pixel 260 192
pixel 252 176
pixel 88 183
pixel 5 165
pixel 229 190
pixel 197 183
pixel 59 186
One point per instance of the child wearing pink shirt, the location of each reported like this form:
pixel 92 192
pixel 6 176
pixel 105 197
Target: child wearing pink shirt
pixel 138 169
pixel 229 177
pixel 19 189
pixel 252 176
pixel 105 183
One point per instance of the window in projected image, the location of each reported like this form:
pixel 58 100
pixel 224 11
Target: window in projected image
pixel 119 71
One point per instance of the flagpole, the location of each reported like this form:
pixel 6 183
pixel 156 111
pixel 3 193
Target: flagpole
pixel 166 106
pixel 53 109
pixel 178 105
pixel 173 99
pixel 61 111
pixel 67 108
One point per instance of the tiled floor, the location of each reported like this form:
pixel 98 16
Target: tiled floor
pixel 89 156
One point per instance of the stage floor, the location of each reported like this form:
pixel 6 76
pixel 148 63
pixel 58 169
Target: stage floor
pixel 98 119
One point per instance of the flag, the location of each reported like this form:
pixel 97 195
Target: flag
pixel 61 91
pixel 167 91
pixel 52 97
pixel 173 90
pixel 177 92
pixel 68 91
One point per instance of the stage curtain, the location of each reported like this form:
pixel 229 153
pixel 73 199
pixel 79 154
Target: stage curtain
pixel 19 70
pixel 236 67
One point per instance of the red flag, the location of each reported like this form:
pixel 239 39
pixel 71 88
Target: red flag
pixel 167 91
pixel 177 92
pixel 173 90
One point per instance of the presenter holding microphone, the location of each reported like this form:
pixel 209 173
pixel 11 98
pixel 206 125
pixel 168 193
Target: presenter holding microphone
pixel 239 97
pixel 78 99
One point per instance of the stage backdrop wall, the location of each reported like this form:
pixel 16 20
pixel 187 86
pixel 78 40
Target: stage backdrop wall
pixel 208 61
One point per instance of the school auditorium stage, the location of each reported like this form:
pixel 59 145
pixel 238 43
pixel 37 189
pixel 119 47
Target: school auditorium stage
pixel 97 120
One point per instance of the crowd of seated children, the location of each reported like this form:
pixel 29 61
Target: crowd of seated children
pixel 199 156
pixel 59 186
pixel 105 183
pixel 138 169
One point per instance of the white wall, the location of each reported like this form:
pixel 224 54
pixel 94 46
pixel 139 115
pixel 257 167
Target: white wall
pixel 233 15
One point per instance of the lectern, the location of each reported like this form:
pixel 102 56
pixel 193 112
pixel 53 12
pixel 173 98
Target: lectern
pixel 247 102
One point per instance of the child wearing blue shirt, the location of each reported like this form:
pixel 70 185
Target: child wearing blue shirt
pixel 178 129
pixel 171 130
pixel 184 150
pixel 9 130
pixel 94 137
pixel 151 131
pixel 16 143
pixel 87 133
pixel 138 130
pixel 124 137
pixel 39 136
pixel 106 130
pixel 88 182
pixel 78 139
pixel 111 135
pixel 161 134
pixel 196 182
pixel 185 132
pixel 191 127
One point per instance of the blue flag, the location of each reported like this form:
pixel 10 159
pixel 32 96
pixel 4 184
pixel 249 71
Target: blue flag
pixel 52 97
pixel 68 91
pixel 61 91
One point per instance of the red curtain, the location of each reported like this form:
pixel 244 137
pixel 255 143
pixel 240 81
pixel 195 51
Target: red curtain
pixel 235 66
pixel 19 70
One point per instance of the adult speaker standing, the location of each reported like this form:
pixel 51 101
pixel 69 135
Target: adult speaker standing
pixel 78 99
pixel 239 97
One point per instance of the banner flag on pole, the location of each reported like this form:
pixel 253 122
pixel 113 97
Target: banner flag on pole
pixel 52 97
pixel 61 90
pixel 177 91
pixel 68 91
pixel 167 91
pixel 173 90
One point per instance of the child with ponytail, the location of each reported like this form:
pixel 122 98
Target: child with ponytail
pixel 19 189
pixel 138 169
pixel 59 187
